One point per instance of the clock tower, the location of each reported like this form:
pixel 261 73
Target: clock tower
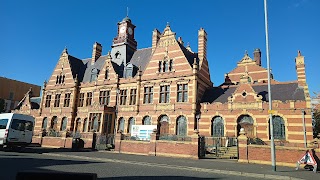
pixel 124 44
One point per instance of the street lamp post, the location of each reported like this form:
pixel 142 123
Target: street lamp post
pixel 273 157
pixel 304 128
pixel 116 114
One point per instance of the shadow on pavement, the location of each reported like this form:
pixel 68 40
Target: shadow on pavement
pixel 154 177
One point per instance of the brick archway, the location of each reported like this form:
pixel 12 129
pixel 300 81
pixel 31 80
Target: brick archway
pixel 246 122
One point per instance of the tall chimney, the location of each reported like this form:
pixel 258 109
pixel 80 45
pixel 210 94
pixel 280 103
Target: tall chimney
pixel 96 52
pixel 155 38
pixel 202 45
pixel 300 68
pixel 257 56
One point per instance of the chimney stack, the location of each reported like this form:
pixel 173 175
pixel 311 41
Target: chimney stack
pixel 96 52
pixel 300 68
pixel 257 56
pixel 155 38
pixel 202 45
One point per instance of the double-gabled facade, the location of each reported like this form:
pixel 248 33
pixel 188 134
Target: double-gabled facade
pixel 169 85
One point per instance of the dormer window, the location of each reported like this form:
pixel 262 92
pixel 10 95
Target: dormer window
pixel 128 71
pixel 94 74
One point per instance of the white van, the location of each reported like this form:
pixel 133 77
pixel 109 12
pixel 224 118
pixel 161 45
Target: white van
pixel 15 129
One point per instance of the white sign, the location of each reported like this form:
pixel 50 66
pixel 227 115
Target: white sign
pixel 142 132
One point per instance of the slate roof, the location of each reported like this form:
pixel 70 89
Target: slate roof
pixel 282 92
pixel 35 102
pixel 141 58
pixel 75 65
pixel 88 67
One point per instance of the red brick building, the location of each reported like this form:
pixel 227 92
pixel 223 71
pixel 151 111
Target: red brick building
pixel 169 85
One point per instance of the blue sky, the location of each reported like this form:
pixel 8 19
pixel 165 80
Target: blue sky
pixel 33 33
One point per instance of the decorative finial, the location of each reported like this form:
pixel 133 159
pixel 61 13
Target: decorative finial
pixel 45 83
pixel 188 44
pixel 168 25
pixel 65 50
pixel 127 11
pixel 246 53
pixel 299 53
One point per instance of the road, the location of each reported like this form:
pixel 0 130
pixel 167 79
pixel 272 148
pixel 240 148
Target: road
pixel 35 160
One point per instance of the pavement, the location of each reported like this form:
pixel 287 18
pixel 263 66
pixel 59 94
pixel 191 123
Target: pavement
pixel 217 166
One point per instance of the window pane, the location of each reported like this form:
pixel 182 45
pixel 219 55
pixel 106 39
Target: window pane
pixel 3 123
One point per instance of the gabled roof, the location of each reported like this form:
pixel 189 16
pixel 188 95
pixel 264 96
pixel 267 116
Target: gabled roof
pixel 75 65
pixel 281 92
pixel 28 99
pixel 189 55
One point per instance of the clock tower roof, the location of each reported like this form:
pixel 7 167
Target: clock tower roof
pixel 126 19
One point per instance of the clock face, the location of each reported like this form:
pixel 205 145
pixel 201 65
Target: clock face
pixel 130 31
pixel 122 29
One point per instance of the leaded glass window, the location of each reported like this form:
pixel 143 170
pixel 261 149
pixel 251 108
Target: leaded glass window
pixel 164 94
pixel 217 127
pixel 278 127
pixel 148 95
pixel 182 93
pixel 131 122
pixel 146 120
pixel 44 123
pixel 181 126
pixel 121 124
pixel 64 124
pixel 85 125
pixel 95 124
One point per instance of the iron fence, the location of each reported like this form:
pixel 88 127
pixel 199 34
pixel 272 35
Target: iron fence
pixel 171 137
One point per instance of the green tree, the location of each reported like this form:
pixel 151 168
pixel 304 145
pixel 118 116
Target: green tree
pixel 316 122
pixel 2 103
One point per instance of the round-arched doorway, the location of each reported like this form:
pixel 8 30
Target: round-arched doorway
pixel 245 122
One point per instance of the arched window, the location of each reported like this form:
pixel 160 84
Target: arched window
pixel 63 78
pixel 96 123
pixel 217 127
pixel 159 68
pixel 164 65
pixel 181 129
pixel 279 131
pixel 64 124
pixel 106 75
pixel 131 122
pixel 163 125
pixel 146 120
pixel 44 123
pixel 121 124
pixel 170 65
pixel 85 125
pixel 60 79
pixel 57 80
pixel 54 122
pixel 78 122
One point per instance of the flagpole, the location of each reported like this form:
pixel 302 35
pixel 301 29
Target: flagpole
pixel 273 157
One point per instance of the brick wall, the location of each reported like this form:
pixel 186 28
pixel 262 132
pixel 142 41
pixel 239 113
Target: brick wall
pixel 261 154
pixel 184 149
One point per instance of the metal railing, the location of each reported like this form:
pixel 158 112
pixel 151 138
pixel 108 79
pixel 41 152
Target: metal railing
pixel 172 137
